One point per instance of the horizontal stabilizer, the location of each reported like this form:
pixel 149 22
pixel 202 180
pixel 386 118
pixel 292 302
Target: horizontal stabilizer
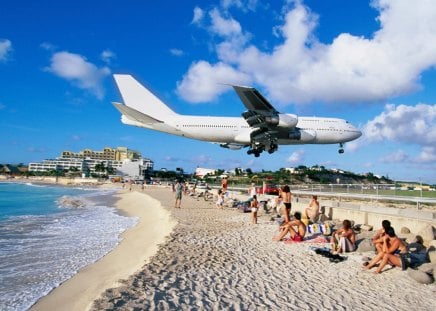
pixel 135 114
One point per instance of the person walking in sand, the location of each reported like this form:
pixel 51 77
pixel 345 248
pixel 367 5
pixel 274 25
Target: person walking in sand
pixel 296 235
pixel 286 199
pixel 178 188
pixel 254 208
pixel 312 212
pixel 343 239
pixel 252 190
pixel 220 200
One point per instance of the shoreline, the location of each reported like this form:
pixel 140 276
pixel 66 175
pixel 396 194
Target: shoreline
pixel 137 246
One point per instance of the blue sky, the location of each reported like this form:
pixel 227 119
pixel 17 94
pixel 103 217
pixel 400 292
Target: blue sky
pixel 370 62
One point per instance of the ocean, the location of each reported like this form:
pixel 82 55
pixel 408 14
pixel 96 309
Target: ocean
pixel 48 233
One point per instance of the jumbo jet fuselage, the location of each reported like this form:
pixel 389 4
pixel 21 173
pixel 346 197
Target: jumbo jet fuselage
pixel 255 130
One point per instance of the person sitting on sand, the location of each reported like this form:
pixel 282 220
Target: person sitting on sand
pixel 377 240
pixel 312 212
pixel 392 249
pixel 295 235
pixel 343 239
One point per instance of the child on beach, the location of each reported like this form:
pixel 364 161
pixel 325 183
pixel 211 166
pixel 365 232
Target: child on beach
pixel 343 239
pixel 254 208
pixel 220 201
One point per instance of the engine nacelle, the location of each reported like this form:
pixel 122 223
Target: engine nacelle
pixel 282 120
pixel 303 136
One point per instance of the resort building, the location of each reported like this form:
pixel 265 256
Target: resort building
pixel 123 161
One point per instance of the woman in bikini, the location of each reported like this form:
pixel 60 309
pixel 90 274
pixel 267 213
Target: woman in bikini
pixel 392 247
pixel 286 199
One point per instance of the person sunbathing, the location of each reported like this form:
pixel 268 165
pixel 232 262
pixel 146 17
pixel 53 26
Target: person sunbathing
pixel 343 239
pixel 390 253
pixel 296 235
pixel 312 212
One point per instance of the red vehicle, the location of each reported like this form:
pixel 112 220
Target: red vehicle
pixel 269 189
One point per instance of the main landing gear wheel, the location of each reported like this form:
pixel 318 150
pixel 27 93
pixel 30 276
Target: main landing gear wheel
pixel 341 148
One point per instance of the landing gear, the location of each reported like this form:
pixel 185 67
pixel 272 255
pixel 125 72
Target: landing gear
pixel 341 148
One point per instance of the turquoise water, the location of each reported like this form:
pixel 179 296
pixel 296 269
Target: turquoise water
pixel 47 234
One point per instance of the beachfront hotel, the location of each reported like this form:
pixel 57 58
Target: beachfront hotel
pixel 124 161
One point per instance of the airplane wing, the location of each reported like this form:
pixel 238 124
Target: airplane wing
pixel 266 120
pixel 135 114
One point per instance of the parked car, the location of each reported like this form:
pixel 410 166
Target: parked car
pixel 269 189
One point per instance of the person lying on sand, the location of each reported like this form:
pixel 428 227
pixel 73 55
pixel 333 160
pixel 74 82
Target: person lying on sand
pixel 392 247
pixel 295 235
pixel 343 239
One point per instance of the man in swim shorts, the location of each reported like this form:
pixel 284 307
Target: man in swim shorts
pixel 295 235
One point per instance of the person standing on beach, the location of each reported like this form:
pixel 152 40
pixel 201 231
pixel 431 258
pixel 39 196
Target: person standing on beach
pixel 286 199
pixel 252 190
pixel 178 188
pixel 254 208
pixel 224 184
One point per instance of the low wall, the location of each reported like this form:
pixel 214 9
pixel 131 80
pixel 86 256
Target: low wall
pixel 414 220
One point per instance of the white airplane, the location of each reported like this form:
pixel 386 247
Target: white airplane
pixel 262 127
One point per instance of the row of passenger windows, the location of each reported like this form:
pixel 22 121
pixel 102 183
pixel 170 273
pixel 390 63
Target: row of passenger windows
pixel 209 125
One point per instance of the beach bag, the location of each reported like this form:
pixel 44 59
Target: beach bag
pixel 319 228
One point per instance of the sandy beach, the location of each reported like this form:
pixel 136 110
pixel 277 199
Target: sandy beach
pixel 216 260
pixel 137 246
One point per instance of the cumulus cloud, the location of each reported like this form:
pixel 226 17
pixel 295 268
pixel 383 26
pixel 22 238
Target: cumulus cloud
pixel 204 81
pixel 301 69
pixel 405 124
pixel 296 157
pixel 5 49
pixel 76 68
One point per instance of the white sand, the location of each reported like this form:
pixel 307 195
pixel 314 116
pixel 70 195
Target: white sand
pixel 138 245
pixel 216 260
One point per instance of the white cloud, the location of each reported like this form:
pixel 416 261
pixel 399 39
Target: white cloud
pixel 75 68
pixel 47 46
pixel 5 49
pixel 407 124
pixel 301 69
pixel 203 81
pixel 222 26
pixel 427 155
pixel 396 157
pixel 296 157
pixel 244 5
pixel 198 15
pixel 177 52
pixel 107 56
pixel 412 125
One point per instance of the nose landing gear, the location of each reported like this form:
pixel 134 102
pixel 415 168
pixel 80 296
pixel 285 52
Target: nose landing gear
pixel 341 148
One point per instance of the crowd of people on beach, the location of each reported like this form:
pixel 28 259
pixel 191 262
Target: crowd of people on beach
pixel 389 248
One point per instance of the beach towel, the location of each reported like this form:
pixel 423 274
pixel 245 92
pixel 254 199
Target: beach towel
pixel 319 228
pixel 316 238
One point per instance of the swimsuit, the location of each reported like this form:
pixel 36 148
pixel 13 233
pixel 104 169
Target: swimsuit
pixel 297 238
pixel 288 205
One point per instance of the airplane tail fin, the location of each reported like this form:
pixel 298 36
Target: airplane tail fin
pixel 137 97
